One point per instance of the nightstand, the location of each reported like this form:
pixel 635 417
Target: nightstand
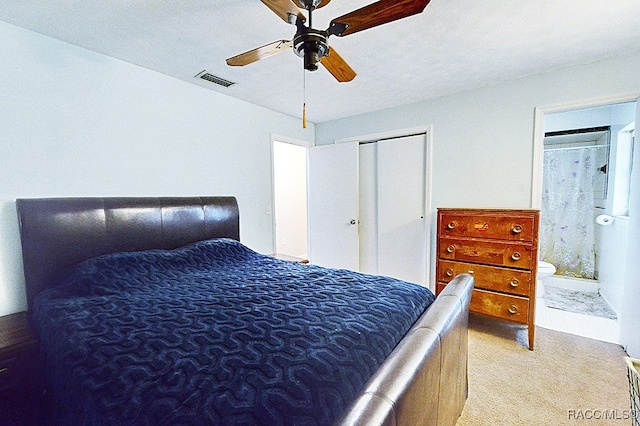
pixel 18 356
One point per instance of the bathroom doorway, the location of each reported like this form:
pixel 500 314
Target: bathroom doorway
pixel 585 172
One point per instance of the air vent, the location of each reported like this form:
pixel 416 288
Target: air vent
pixel 214 79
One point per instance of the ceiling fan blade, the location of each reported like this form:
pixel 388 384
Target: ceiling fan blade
pixel 337 66
pixel 284 8
pixel 322 3
pixel 378 13
pixel 254 55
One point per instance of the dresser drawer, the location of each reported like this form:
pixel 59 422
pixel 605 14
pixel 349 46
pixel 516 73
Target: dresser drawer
pixel 512 308
pixel 511 281
pixel 512 254
pixel 511 227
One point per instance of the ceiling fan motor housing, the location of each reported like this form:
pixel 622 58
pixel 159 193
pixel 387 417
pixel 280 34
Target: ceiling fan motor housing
pixel 309 3
pixel 311 45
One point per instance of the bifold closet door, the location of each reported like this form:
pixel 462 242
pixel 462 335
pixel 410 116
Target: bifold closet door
pixel 368 207
pixel 401 224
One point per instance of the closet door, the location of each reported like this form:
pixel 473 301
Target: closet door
pixel 333 205
pixel 401 224
pixel 368 207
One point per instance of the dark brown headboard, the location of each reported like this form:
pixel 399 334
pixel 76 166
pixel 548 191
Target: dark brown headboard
pixel 58 233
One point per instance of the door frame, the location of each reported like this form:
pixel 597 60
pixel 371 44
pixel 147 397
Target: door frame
pixel 536 187
pixel 430 216
pixel 538 134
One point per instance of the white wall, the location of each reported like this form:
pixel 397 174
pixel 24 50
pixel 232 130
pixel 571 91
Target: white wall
pixel 77 123
pixel 612 252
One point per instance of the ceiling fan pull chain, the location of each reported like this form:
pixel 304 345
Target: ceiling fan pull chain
pixel 304 115
pixel 304 99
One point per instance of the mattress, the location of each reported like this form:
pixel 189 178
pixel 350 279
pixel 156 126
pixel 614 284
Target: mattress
pixel 215 333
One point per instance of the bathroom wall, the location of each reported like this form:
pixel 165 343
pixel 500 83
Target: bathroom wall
pixel 610 240
pixel 613 238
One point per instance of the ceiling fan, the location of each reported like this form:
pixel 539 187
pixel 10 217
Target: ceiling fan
pixel 312 45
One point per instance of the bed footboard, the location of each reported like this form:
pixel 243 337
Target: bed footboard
pixel 424 380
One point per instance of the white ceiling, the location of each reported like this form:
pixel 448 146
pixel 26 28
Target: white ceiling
pixel 454 45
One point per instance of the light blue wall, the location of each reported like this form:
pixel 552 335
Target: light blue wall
pixel 483 139
pixel 77 123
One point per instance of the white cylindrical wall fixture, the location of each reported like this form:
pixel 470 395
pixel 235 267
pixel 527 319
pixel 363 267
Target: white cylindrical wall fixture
pixel 604 220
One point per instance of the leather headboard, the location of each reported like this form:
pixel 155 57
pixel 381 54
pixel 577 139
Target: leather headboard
pixel 58 233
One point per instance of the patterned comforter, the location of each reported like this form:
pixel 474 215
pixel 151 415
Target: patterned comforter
pixel 215 333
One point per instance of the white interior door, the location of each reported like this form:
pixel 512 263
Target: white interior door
pixel 333 205
pixel 401 181
pixel 630 314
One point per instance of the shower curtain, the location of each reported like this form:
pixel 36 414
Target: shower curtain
pixel 567 224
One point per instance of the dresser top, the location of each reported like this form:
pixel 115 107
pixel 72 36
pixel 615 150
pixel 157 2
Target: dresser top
pixel 490 210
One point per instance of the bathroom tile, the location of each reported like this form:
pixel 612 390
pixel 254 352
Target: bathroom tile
pixel 557 320
pixel 543 319
pixel 582 325
pixel 574 323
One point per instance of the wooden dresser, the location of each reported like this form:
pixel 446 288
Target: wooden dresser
pixel 500 249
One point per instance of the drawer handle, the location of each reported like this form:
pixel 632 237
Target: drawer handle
pixel 451 225
pixel 514 282
pixel 449 272
pixel 4 370
pixel 470 272
pixel 451 248
pixel 516 229
pixel 513 309
pixel 516 256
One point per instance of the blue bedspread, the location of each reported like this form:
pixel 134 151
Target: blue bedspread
pixel 215 333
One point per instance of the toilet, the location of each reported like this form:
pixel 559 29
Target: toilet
pixel 545 270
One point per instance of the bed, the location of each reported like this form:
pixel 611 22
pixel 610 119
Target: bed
pixel 151 311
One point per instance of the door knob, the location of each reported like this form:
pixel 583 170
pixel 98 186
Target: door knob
pixel 353 222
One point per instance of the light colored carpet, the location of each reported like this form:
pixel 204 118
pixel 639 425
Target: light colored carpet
pixel 581 302
pixel 563 381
